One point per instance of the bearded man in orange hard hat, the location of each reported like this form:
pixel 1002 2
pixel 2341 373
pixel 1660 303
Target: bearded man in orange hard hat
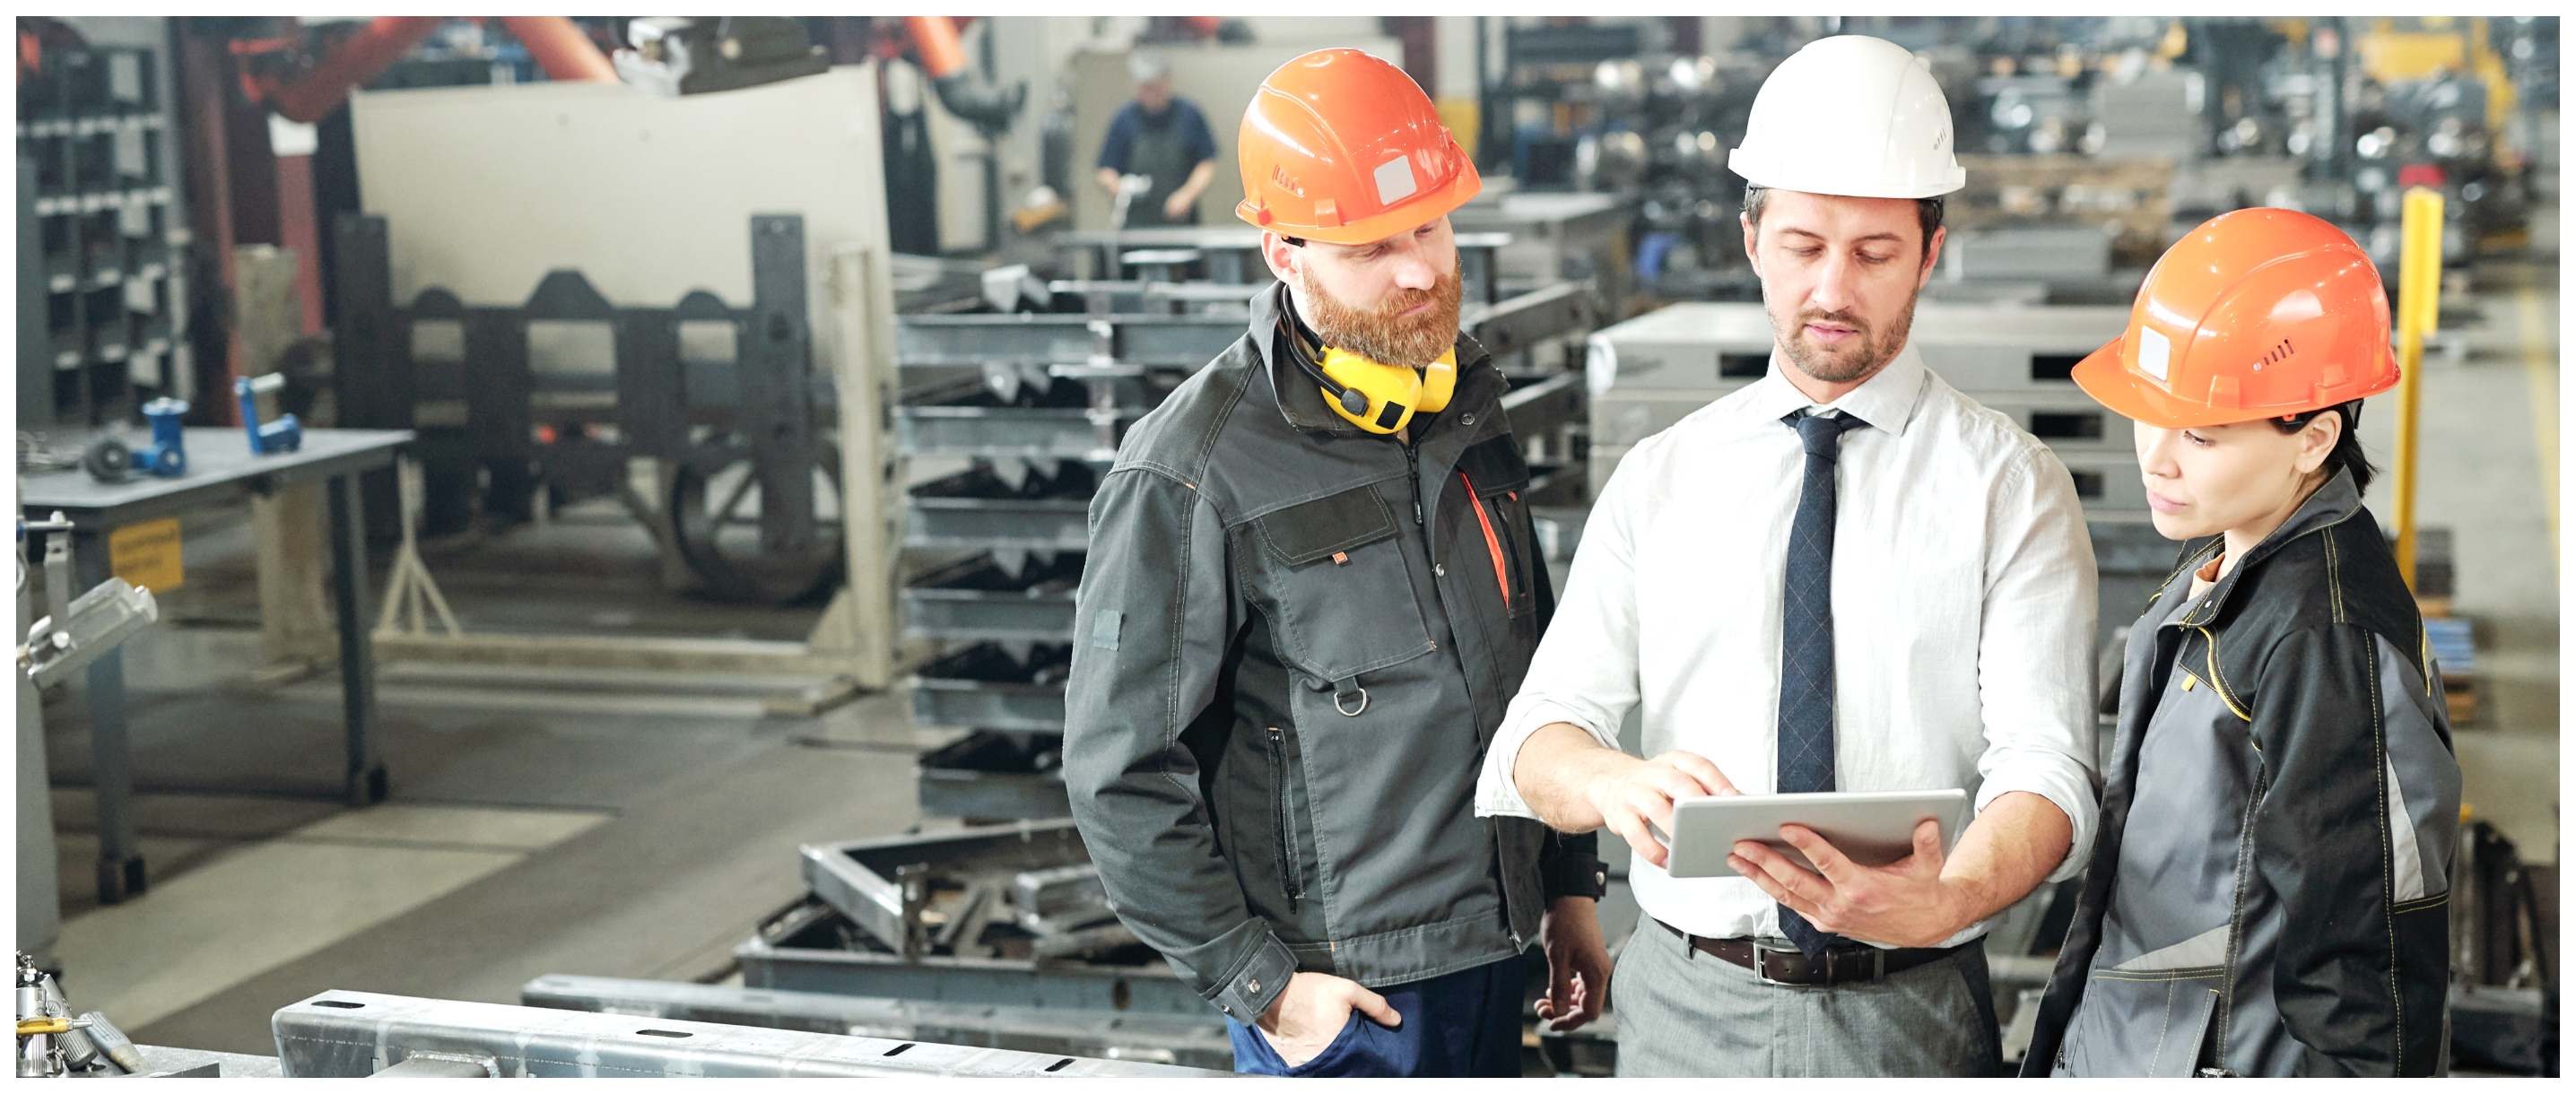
pixel 1314 590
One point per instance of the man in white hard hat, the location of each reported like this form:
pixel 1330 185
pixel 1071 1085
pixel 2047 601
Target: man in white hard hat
pixel 1844 577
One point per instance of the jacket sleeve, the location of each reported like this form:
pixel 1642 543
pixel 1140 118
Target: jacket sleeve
pixel 1151 627
pixel 2336 840
pixel 1569 865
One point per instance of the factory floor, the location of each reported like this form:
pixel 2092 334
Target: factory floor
pixel 622 828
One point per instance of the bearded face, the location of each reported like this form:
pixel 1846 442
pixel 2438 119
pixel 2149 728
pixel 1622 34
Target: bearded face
pixel 1385 333
pixel 1854 356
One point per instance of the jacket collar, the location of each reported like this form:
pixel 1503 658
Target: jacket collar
pixel 1301 401
pixel 1885 401
pixel 2332 504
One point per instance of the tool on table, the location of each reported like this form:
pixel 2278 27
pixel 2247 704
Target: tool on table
pixel 283 435
pixel 108 459
pixel 77 629
pixel 53 1043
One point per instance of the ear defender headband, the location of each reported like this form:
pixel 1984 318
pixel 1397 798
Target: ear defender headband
pixel 1373 395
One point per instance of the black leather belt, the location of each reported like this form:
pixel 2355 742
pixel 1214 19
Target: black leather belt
pixel 1842 965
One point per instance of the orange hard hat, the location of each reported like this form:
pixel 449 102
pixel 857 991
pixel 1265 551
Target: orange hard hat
pixel 1342 147
pixel 2259 313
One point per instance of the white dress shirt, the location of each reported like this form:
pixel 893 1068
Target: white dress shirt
pixel 1963 607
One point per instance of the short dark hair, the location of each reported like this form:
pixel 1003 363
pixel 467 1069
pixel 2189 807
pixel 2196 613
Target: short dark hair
pixel 2347 452
pixel 1927 212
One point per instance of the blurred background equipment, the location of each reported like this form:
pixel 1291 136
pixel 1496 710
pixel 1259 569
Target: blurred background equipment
pixel 719 402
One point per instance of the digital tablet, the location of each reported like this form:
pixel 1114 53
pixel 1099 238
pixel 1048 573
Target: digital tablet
pixel 1872 828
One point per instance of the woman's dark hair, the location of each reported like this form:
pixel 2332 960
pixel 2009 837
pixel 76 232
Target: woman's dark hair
pixel 2347 449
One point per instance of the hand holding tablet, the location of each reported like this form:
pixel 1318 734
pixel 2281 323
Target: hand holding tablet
pixel 1871 828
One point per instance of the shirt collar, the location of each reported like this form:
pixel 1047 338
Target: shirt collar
pixel 1885 401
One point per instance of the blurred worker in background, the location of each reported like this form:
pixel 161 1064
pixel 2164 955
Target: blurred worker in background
pixel 1163 138
pixel 1315 588
pixel 1846 577
pixel 2270 883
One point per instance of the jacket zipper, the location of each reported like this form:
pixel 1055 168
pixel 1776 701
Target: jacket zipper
pixel 1279 793
pixel 1502 577
pixel 1413 474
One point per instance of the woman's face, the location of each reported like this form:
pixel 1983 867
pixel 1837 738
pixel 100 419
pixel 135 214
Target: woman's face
pixel 2210 479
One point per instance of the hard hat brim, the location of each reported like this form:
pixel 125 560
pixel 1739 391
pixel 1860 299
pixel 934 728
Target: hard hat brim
pixel 1430 205
pixel 2103 376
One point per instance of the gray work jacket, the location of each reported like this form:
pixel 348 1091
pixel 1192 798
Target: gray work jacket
pixel 1293 643
pixel 2270 882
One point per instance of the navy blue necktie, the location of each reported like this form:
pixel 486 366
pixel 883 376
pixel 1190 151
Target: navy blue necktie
pixel 1807 640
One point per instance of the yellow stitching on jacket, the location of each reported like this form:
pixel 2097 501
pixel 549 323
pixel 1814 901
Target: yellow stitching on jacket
pixel 2219 684
pixel 2420 903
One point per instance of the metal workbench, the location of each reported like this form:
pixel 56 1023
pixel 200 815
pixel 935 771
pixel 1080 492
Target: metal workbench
pixel 221 470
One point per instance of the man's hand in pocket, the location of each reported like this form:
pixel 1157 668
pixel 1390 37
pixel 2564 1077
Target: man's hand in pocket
pixel 1313 1010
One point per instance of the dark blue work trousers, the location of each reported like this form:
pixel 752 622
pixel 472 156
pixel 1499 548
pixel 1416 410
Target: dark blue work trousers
pixel 1465 1024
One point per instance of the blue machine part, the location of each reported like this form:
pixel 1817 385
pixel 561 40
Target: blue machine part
pixel 165 456
pixel 283 435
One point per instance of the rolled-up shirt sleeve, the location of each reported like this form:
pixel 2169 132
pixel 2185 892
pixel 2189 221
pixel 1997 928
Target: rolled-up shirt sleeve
pixel 2035 661
pixel 1585 670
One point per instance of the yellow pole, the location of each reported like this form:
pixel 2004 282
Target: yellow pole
pixel 2419 309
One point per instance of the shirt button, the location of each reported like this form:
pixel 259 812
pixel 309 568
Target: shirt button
pixel 1438 570
pixel 1467 420
pixel 1252 985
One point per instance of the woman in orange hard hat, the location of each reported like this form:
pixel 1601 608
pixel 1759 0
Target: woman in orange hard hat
pixel 2270 878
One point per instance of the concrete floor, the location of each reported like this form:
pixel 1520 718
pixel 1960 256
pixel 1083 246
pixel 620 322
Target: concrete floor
pixel 533 828
pixel 598 828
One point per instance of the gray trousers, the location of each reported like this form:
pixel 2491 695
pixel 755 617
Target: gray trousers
pixel 1684 1013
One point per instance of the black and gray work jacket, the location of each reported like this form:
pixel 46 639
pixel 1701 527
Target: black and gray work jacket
pixel 1293 643
pixel 2270 883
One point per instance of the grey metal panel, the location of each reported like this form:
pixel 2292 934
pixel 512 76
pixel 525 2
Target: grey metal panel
pixel 1149 989
pixel 973 615
pixel 986 795
pixel 976 704
pixel 1188 1040
pixel 349 1034
pixel 1046 433
pixel 984 522
pixel 859 878
pixel 1543 406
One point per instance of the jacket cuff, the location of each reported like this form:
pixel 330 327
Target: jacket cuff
pixel 1571 866
pixel 1250 990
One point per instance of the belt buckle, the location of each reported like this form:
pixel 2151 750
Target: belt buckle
pixel 1762 972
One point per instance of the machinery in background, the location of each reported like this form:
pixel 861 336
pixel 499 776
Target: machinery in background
pixel 673 55
pixel 284 434
pixel 722 399
pixel 108 459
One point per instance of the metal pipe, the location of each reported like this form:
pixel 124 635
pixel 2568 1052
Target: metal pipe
pixel 2419 309
pixel 560 47
pixel 363 57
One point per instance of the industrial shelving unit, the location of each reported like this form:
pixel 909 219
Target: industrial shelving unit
pixel 109 228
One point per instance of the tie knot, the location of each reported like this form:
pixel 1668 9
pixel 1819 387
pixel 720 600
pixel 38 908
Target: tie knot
pixel 1822 435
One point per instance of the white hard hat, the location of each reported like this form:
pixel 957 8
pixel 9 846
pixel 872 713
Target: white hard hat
pixel 1850 115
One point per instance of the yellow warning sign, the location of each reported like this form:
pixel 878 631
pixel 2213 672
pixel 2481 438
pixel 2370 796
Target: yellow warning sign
pixel 146 555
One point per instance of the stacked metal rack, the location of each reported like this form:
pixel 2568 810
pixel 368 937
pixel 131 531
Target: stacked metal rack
pixel 1036 403
pixel 99 272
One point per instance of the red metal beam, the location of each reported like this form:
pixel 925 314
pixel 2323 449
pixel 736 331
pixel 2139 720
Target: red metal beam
pixel 363 57
pixel 560 47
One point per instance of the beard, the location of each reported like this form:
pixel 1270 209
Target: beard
pixel 1385 334
pixel 1857 358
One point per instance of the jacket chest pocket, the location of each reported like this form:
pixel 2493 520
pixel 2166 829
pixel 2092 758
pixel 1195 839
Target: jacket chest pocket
pixel 1333 580
pixel 1495 479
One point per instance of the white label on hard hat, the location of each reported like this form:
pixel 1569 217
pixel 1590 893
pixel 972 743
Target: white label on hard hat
pixel 1395 180
pixel 2154 349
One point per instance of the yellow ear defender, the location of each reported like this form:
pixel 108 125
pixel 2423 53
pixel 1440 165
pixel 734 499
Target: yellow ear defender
pixel 1380 397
